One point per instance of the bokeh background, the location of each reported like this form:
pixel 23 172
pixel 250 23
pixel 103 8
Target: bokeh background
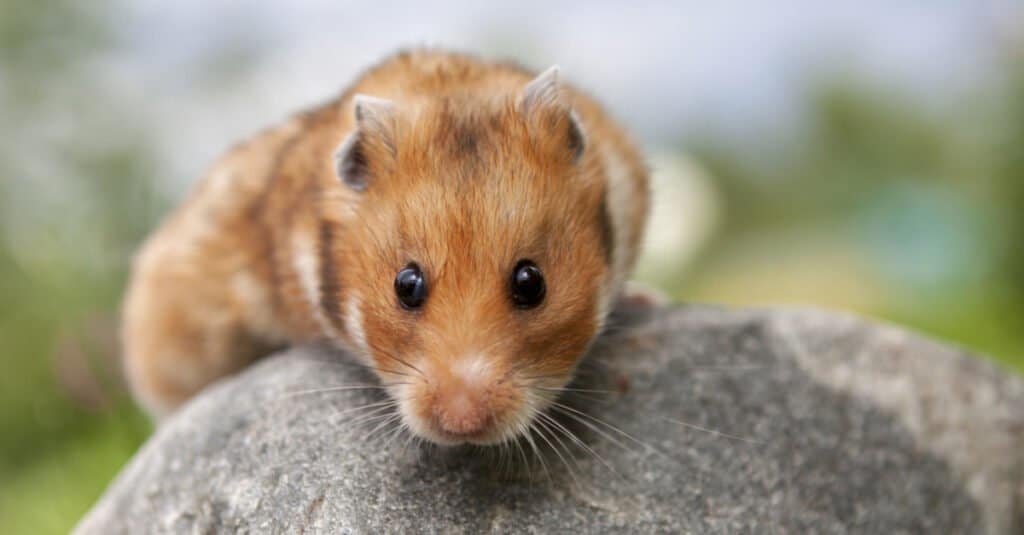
pixel 860 155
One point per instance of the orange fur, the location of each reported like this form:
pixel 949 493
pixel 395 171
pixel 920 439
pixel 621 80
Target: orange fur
pixel 466 179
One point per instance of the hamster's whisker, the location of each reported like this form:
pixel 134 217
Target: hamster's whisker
pixel 385 416
pixel 585 369
pixel 394 372
pixel 368 418
pixel 508 446
pixel 714 432
pixel 571 389
pixel 727 367
pixel 366 410
pixel 518 443
pixel 338 362
pixel 393 434
pixel 600 396
pixel 583 418
pixel 382 425
pixel 377 411
pixel 541 427
pixel 586 397
pixel 411 439
pixel 579 442
pixel 375 404
pixel 553 393
pixel 340 388
pixel 533 446
pixel 401 361
pixel 593 428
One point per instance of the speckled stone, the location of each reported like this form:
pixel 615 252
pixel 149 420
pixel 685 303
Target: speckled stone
pixel 711 421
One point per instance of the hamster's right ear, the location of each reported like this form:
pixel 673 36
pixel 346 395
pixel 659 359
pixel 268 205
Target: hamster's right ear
pixel 544 102
pixel 372 140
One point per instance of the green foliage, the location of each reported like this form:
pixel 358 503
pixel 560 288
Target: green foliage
pixel 74 198
pixel 924 204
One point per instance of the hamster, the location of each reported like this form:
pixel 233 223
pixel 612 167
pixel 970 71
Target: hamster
pixel 462 226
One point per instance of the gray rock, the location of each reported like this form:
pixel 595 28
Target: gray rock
pixel 713 421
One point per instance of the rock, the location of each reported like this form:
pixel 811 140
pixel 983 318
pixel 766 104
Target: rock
pixel 714 421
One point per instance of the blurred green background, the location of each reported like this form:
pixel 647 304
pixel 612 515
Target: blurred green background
pixel 871 200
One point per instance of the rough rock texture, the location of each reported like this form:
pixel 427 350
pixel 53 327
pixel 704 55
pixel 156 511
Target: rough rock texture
pixel 724 422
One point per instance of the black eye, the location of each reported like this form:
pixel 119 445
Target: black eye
pixel 411 286
pixel 527 285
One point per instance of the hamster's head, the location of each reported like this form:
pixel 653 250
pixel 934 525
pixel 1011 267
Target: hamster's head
pixel 477 257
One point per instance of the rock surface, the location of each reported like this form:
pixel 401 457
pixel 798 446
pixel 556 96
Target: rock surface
pixel 781 421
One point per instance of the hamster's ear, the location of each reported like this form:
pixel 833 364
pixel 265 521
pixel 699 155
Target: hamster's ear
pixel 544 90
pixel 544 103
pixel 372 140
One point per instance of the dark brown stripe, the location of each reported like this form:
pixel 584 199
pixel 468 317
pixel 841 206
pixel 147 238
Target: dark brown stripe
pixel 259 214
pixel 466 139
pixel 330 289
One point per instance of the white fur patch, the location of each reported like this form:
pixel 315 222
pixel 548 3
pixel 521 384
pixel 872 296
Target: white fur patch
pixel 474 369
pixel 307 267
pixel 257 307
pixel 354 325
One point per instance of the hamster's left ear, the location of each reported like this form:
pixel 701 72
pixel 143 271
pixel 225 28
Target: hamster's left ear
pixel 544 103
pixel 371 144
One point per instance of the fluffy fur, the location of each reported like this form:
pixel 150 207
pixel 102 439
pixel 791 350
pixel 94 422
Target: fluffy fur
pixel 461 165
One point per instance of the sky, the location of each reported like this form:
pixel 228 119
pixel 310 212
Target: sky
pixel 665 69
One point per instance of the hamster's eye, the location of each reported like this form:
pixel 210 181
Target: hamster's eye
pixel 527 285
pixel 411 286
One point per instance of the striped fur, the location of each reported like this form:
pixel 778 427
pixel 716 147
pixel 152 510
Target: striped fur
pixel 461 165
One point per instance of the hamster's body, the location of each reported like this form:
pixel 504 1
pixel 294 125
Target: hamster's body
pixel 457 174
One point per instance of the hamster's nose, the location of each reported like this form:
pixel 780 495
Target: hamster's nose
pixel 462 412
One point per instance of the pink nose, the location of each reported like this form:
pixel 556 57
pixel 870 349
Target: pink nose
pixel 462 413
